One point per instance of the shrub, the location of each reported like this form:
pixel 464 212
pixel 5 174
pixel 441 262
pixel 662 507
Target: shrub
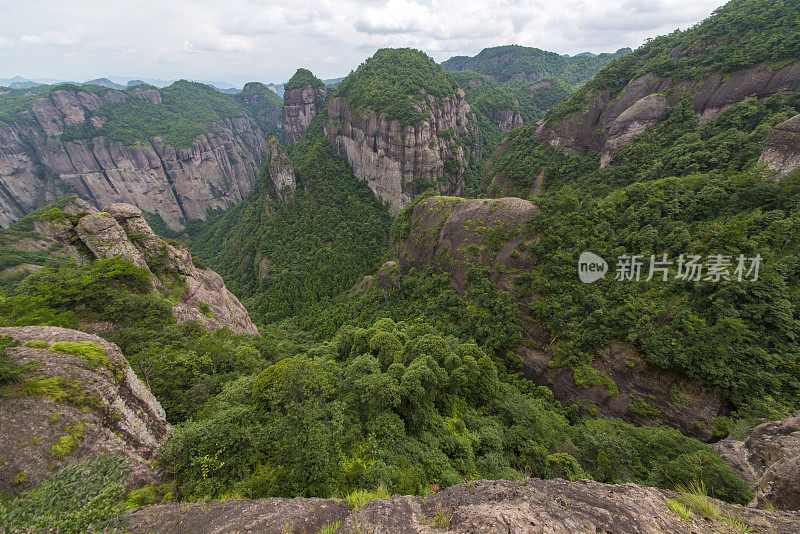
pixel 84 497
pixel 88 350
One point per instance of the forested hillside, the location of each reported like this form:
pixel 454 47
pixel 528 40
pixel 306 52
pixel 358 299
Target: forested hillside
pixel 284 258
pixel 455 341
pixel 527 80
pixel 686 185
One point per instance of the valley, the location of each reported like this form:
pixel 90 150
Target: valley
pixel 356 307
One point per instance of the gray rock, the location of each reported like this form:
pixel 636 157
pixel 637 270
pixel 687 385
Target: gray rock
pixel 770 459
pixel 118 413
pixel 532 506
pixel 216 172
pixel 390 156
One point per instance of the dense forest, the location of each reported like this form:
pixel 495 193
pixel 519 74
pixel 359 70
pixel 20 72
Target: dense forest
pixel 740 34
pixel 361 391
pixel 527 80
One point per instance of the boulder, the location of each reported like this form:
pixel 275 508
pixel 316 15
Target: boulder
pixel 72 407
pixel 769 458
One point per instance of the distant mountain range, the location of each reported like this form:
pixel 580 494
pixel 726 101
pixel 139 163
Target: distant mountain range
pixel 121 83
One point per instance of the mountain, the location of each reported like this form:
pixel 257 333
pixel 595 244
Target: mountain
pixel 516 84
pixel 105 82
pixel 666 151
pixel 303 97
pixel 18 82
pixel 527 64
pixel 746 49
pixel 404 125
pixel 177 152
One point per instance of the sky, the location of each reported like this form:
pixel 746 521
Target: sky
pixel 250 40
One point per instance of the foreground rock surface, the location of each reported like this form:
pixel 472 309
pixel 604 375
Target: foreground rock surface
pixel 536 506
pixel 770 460
pixel 111 406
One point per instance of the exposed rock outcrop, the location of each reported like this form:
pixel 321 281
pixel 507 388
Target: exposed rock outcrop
pixel 610 121
pixel 769 459
pixel 533 506
pixel 280 170
pixel 506 119
pixel 122 230
pixel 390 156
pixel 782 149
pixel 299 107
pixel 637 392
pixel 454 234
pixel 88 408
pixel 38 164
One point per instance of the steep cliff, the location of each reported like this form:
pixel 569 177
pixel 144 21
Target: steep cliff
pixel 304 95
pixel 80 400
pixel 609 121
pixel 782 148
pixel 404 125
pixel 178 152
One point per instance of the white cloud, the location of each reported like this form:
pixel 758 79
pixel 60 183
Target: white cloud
pixel 210 39
pixel 6 41
pixel 71 37
pixel 266 40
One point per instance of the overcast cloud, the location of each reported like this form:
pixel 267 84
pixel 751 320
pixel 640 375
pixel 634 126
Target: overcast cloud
pixel 244 40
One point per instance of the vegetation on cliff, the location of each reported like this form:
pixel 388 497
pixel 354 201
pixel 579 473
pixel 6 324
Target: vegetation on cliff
pixel 186 111
pixel 680 187
pixel 738 35
pixel 303 78
pixel 392 79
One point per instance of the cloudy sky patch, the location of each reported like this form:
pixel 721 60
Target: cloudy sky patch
pixel 243 40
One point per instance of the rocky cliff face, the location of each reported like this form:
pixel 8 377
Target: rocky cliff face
pixel 391 156
pixel 121 230
pixel 609 121
pixel 37 165
pixel 299 107
pixel 506 119
pixel 89 406
pixel 769 459
pixel 280 170
pixel 453 234
pixel 782 148
pixel 531 506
